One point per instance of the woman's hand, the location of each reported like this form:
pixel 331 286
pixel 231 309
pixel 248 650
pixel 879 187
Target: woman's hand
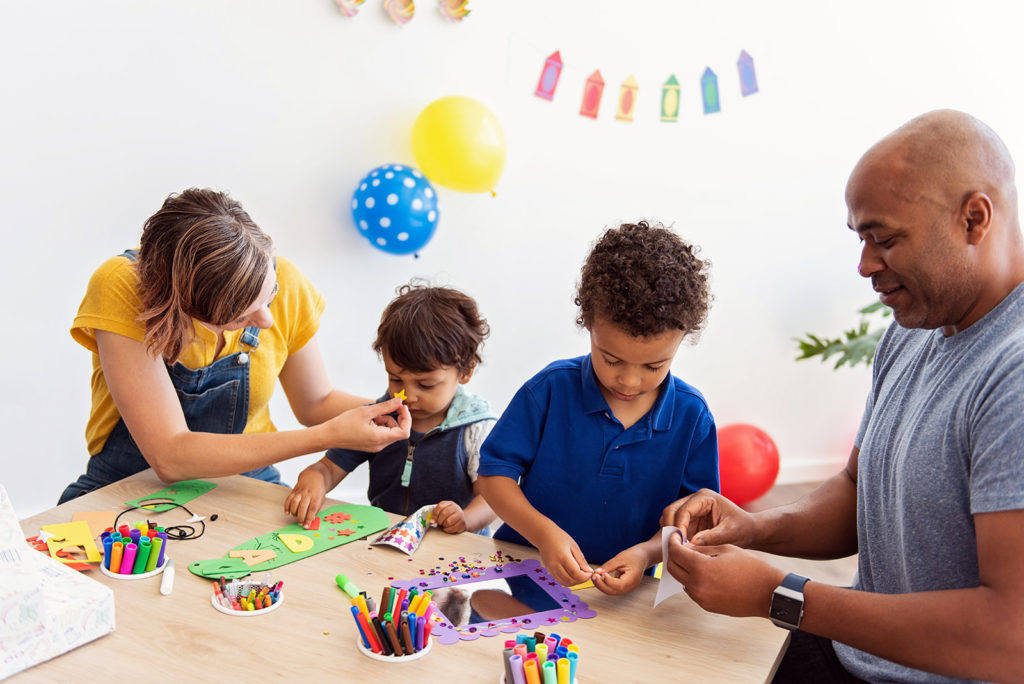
pixel 370 428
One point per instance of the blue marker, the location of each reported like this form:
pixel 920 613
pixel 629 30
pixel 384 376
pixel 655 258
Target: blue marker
pixel 362 634
pixel 107 544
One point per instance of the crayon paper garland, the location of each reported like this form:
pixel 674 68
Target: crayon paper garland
pixel 593 89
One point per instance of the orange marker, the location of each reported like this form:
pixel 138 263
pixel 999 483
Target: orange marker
pixel 116 550
pixel 532 674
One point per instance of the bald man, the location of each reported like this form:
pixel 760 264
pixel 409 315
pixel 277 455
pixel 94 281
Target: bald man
pixel 932 498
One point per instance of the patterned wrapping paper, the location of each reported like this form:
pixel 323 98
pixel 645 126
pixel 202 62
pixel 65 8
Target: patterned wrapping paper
pixel 407 535
pixel 46 608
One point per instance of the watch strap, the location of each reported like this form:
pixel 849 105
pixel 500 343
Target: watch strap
pixel 795 582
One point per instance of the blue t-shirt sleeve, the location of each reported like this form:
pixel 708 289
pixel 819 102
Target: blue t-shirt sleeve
pixel 347 459
pixel 512 445
pixel 702 462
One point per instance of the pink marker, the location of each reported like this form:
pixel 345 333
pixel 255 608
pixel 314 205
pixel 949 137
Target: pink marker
pixel 128 559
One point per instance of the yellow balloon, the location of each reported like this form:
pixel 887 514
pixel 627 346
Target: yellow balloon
pixel 458 143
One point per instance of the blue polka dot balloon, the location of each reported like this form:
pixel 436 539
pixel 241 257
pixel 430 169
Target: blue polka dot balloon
pixel 395 208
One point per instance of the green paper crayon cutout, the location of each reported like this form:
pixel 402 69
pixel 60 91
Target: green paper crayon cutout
pixel 340 525
pixel 709 91
pixel 177 493
pixel 670 99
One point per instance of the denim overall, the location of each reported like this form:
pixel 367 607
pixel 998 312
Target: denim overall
pixel 213 399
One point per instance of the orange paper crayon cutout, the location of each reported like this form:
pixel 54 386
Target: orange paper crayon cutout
pixel 592 90
pixel 548 80
pixel 627 100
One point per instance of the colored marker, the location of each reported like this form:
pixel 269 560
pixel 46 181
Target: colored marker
pixel 563 671
pixel 532 673
pixel 108 545
pixel 573 658
pixel 362 632
pixel 506 653
pixel 406 637
pixel 550 672
pixel 156 546
pixel 142 556
pixel 163 547
pixel 393 638
pixel 128 559
pixel 347 586
pixel 421 633
pixel 518 673
pixel 116 551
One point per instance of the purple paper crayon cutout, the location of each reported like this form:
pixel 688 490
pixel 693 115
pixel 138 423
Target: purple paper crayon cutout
pixel 748 77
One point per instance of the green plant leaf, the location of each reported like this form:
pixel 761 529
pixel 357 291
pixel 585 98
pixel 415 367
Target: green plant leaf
pixel 856 345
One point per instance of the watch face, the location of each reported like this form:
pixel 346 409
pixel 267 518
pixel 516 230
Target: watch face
pixel 785 609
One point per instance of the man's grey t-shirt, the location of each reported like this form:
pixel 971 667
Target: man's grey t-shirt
pixel 942 439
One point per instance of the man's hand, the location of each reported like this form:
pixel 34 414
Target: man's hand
pixel 709 519
pixel 723 579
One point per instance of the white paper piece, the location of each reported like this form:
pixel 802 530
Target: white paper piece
pixel 667 585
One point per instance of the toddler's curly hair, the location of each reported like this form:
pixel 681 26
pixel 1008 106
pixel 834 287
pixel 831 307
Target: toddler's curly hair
pixel 644 279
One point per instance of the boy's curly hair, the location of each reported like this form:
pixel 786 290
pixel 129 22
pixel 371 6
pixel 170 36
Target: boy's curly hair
pixel 644 279
pixel 425 328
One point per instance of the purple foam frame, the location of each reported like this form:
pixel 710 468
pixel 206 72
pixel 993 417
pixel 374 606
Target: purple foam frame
pixel 446 633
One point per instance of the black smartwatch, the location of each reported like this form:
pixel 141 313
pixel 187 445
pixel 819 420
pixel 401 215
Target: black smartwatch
pixel 788 602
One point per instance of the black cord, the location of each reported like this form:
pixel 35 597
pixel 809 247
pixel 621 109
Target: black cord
pixel 177 532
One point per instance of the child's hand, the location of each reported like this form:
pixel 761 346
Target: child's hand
pixel 450 517
pixel 563 559
pixel 307 497
pixel 628 567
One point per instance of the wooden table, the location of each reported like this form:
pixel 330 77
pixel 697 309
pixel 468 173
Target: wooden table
pixel 312 637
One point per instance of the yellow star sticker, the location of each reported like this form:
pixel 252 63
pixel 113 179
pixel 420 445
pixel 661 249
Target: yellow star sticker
pixel 400 395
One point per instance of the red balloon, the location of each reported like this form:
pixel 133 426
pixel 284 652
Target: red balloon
pixel 748 462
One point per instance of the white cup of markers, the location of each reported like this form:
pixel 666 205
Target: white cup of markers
pixel 134 552
pixel 403 633
pixel 243 598
pixel 540 659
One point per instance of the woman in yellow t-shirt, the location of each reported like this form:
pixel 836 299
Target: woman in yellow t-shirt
pixel 190 334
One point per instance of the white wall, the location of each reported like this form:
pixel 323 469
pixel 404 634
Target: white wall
pixel 110 105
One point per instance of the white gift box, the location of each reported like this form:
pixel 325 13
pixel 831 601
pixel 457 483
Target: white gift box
pixel 46 608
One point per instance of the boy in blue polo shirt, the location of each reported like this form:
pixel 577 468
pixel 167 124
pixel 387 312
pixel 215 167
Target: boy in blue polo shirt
pixel 590 450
